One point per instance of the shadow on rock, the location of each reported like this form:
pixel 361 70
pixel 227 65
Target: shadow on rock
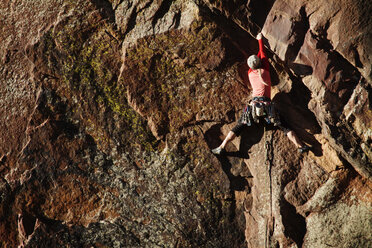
pixel 295 224
pixel 299 119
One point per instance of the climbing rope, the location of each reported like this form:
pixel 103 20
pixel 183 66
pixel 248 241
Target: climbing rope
pixel 269 157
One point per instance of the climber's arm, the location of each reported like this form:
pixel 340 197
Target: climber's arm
pixel 262 54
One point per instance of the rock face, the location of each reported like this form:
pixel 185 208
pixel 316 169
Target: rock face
pixel 109 109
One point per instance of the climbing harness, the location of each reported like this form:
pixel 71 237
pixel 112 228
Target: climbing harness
pixel 264 107
pixel 260 107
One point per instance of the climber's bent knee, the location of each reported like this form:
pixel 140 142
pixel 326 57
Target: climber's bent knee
pixel 237 130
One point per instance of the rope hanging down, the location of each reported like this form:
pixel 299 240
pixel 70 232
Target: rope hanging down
pixel 269 157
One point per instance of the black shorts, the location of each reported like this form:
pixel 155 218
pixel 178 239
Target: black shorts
pixel 238 128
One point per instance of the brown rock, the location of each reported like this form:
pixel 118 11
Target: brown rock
pixel 109 109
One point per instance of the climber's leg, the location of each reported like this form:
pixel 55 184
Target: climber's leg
pixel 292 136
pixel 235 131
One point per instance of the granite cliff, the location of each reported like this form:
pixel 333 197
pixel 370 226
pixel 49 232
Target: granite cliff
pixel 109 109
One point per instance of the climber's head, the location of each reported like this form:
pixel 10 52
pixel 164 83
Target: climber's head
pixel 254 62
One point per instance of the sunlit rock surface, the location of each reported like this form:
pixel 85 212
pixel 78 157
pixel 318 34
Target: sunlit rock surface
pixel 109 109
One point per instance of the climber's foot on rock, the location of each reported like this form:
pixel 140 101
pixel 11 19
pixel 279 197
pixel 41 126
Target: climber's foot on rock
pixel 304 149
pixel 218 151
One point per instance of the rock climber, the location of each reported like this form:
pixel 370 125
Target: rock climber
pixel 261 107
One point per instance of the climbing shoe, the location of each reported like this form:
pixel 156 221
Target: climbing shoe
pixel 303 149
pixel 218 151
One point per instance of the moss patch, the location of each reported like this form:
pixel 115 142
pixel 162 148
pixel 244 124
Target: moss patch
pixel 84 55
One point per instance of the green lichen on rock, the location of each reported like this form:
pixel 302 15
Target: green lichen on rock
pixel 88 65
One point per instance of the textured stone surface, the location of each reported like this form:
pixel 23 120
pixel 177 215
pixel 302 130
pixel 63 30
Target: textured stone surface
pixel 109 109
